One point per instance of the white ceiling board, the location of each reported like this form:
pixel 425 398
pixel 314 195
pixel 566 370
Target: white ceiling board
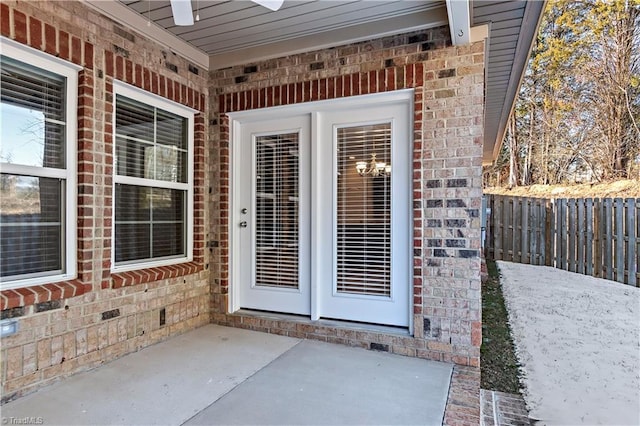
pixel 330 39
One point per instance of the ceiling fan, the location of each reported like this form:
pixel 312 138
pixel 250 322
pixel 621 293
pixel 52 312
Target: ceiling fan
pixel 183 11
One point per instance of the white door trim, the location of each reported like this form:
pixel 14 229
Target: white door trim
pixel 312 109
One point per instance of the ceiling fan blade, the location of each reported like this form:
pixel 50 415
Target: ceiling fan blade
pixel 270 4
pixel 182 12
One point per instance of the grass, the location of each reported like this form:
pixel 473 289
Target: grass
pixel 498 363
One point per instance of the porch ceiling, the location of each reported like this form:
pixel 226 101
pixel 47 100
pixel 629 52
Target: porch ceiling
pixel 237 32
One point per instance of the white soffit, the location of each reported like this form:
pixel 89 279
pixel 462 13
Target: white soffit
pixel 123 15
pixel 342 36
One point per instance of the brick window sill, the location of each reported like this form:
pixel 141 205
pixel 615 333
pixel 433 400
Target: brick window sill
pixel 27 296
pixel 141 276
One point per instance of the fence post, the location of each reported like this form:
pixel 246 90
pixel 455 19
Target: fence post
pixel 608 239
pixel 534 257
pixel 599 238
pixel 582 229
pixel 589 237
pixel 619 235
pixel 561 232
pixel 511 229
pixel 549 233
pixel 631 237
pixel 497 222
pixel 525 254
pixel 572 230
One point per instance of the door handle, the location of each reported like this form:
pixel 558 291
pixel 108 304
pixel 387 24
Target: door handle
pixel 243 224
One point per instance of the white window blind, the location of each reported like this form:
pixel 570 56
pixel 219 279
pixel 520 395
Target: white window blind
pixel 363 234
pixel 36 181
pixel 276 225
pixel 152 181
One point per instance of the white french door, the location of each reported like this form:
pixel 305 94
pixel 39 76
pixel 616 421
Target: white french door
pixel 272 216
pixel 365 232
pixel 320 221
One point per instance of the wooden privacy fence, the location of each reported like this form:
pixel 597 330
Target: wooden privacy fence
pixel 598 237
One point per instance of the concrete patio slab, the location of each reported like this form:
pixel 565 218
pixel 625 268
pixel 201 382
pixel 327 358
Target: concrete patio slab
pixel 221 375
pixel 163 384
pixel 321 383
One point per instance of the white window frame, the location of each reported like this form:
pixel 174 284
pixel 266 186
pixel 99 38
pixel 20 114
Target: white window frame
pixel 36 58
pixel 136 94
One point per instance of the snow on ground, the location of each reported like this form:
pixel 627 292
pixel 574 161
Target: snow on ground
pixel 578 342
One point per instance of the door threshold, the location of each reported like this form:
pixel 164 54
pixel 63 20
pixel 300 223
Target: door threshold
pixel 326 322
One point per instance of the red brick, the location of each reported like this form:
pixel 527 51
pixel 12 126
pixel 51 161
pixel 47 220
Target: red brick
pixel 76 50
pixel 50 39
pixel 409 70
pixel 63 40
pixel 306 93
pixel 88 55
pixel 119 67
pixel 355 84
pixel 20 26
pixel 364 83
pixel 5 18
pixel 291 93
pixel 4 301
pixel 163 86
pixel 262 98
pixel 278 94
pixel 323 89
pixel 28 297
pixel 154 83
pixel 331 88
pixel 382 81
pixel 35 33
pixel 108 63
pixel 419 75
pixel 373 82
pixel 338 86
pixel 146 79
pixel 241 101
pixel 128 71
pixel 56 292
pixel 176 91
pixel 138 75
pixel 298 93
pixel 13 299
pixel 269 97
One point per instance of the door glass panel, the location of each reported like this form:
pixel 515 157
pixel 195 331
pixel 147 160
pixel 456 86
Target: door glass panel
pixel 363 245
pixel 276 231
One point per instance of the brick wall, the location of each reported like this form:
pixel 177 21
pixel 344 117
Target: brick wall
pixel 71 326
pixel 447 149
pixel 67 327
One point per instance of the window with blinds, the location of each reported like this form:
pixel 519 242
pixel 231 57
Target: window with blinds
pixel 276 222
pixel 35 178
pixel 151 182
pixel 363 228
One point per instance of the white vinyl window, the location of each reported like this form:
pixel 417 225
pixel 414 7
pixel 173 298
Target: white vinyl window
pixel 153 182
pixel 38 108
